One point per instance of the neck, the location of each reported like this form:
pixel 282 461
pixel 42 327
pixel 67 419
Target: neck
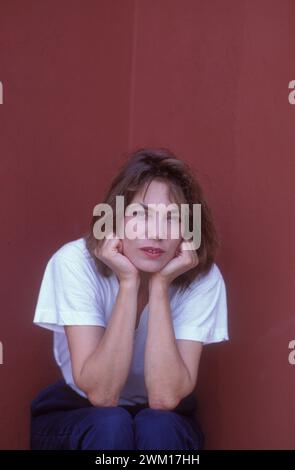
pixel 144 281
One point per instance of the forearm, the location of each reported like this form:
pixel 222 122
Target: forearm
pixel 166 375
pixel 104 373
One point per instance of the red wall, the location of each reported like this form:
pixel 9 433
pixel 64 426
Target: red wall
pixel 84 82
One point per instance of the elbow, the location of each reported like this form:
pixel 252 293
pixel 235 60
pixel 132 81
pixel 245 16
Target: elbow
pixel 102 401
pixel 171 402
pixel 162 404
pixel 97 397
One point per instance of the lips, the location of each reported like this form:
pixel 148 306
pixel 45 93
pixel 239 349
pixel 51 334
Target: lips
pixel 152 252
pixel 152 249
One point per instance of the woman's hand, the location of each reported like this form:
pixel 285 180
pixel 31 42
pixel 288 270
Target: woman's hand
pixel 185 258
pixel 110 252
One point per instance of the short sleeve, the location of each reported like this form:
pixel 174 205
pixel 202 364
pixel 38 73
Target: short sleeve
pixel 201 313
pixel 69 295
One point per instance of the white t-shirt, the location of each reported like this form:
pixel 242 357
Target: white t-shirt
pixel 73 292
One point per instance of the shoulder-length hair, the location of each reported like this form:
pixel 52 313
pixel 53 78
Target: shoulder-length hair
pixel 142 166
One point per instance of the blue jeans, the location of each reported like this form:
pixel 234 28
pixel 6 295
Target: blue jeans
pixel 62 419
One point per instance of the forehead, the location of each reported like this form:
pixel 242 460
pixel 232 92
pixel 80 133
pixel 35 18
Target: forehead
pixel 155 192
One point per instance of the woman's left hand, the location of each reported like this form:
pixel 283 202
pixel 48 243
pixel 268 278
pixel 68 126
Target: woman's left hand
pixel 185 258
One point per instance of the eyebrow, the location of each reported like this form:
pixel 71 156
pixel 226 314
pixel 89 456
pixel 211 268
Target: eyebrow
pixel 146 207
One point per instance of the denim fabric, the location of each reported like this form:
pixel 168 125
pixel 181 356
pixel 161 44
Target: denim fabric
pixel 63 419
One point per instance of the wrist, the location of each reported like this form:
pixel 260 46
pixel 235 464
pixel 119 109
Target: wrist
pixel 157 280
pixel 130 282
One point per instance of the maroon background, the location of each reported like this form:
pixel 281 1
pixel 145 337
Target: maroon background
pixel 86 81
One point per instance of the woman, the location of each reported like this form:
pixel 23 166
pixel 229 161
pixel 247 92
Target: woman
pixel 130 316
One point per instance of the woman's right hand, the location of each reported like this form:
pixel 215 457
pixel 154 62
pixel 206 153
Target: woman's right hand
pixel 110 252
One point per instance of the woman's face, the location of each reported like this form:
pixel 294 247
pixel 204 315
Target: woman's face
pixel 149 230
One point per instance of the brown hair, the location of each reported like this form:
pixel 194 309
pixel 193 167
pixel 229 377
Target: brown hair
pixel 143 165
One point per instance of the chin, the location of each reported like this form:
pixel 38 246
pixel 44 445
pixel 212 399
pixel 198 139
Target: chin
pixel 151 270
pixel 149 267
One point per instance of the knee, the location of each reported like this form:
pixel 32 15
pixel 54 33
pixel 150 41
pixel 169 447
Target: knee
pixel 153 414
pixel 165 429
pixel 154 419
pixel 106 428
pixel 108 418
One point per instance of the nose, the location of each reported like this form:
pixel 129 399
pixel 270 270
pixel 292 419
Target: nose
pixel 156 227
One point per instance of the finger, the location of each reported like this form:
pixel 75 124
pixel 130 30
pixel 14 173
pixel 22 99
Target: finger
pixel 186 245
pixel 106 245
pixel 190 253
pixel 189 245
pixel 120 246
pixel 110 236
pixel 113 244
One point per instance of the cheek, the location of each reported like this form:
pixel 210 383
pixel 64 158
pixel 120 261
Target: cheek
pixel 173 247
pixel 128 247
pixel 125 245
pixel 134 228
